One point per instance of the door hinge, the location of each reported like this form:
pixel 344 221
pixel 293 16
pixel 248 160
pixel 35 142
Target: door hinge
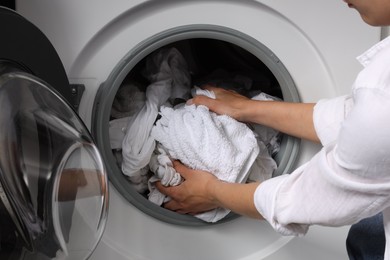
pixel 77 91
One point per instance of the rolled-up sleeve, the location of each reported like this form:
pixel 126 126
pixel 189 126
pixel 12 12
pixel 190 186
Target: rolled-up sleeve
pixel 328 116
pixel 331 189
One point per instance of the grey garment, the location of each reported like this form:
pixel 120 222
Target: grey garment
pixel 366 239
pixel 128 101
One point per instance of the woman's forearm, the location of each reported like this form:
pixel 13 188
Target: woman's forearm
pixel 294 119
pixel 201 191
pixel 236 197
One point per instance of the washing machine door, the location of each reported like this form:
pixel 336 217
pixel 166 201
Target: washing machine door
pixel 53 184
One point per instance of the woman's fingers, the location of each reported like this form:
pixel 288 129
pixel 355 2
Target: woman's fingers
pixel 181 169
pixel 169 191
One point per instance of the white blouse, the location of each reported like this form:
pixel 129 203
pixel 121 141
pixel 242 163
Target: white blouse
pixel 349 179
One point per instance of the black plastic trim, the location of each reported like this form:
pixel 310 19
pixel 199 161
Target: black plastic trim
pixel 24 44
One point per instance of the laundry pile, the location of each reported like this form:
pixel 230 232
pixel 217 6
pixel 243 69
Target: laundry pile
pixel 170 81
pixel 155 130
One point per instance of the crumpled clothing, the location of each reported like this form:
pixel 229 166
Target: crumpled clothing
pixel 128 100
pixel 263 167
pixel 117 131
pixel 170 81
pixel 168 73
pixel 203 140
pixel 170 64
pixel 162 167
pixel 269 144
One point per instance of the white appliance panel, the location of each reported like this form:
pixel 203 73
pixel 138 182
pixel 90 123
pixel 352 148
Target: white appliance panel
pixel 317 41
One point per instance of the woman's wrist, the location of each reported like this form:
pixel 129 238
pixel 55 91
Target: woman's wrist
pixel 250 111
pixel 211 187
pixel 237 197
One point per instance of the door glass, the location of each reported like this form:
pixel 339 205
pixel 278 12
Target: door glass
pixel 53 185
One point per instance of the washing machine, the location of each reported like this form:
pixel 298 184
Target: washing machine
pixel 305 51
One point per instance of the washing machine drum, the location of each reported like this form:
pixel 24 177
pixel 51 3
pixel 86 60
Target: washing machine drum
pixel 53 185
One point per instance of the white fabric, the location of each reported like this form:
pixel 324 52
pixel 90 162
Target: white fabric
pixel 264 165
pixel 138 146
pixel 137 112
pixel 117 131
pixel 162 167
pixel 168 73
pixel 349 179
pixel 206 141
pixel 330 125
pixel 128 101
pixel 169 64
pixel 268 142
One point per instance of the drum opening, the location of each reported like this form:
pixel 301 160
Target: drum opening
pixel 211 56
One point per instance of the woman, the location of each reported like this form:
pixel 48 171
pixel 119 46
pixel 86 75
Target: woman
pixel 347 181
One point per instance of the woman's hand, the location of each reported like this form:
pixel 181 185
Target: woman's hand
pixel 294 119
pixel 194 195
pixel 201 191
pixel 226 102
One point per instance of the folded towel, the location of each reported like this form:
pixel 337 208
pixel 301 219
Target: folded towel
pixel 206 141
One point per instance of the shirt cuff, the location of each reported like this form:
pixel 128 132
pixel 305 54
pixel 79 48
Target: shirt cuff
pixel 265 199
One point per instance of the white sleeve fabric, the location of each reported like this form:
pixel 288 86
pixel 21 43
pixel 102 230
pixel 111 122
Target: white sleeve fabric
pixel 346 181
pixel 328 115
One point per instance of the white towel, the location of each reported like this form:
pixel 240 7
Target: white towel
pixel 206 141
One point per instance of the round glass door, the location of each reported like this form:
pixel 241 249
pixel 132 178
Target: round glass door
pixel 53 184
